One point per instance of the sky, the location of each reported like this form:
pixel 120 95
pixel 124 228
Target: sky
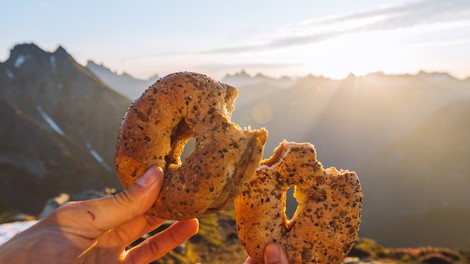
pixel 273 37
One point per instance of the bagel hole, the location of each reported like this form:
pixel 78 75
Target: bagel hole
pixel 188 149
pixel 291 203
pixel 178 140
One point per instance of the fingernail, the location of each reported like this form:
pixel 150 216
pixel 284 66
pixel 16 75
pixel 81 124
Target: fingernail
pixel 150 176
pixel 272 253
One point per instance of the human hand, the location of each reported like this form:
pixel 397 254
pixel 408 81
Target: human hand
pixel 98 231
pixel 273 254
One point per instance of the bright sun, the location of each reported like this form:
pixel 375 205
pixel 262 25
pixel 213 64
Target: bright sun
pixel 358 53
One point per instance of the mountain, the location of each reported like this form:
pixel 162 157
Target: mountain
pixel 242 79
pixel 423 176
pixel 367 113
pixel 122 83
pixel 59 125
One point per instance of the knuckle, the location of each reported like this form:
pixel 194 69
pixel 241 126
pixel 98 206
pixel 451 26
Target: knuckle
pixel 174 238
pixel 122 235
pixel 151 220
pixel 124 198
pixel 154 247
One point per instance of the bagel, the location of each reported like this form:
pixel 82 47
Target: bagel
pixel 160 122
pixel 326 222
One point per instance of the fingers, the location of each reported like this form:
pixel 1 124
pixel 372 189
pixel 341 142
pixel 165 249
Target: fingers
pixel 275 254
pixel 129 232
pixel 160 244
pixel 94 217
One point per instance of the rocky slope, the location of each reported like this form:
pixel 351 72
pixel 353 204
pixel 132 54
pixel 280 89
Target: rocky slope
pixel 59 124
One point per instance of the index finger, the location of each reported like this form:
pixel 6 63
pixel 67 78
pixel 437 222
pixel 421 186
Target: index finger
pixel 94 217
pixel 155 247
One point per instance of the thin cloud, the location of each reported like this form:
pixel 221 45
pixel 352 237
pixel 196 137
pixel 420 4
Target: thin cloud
pixel 276 43
pixel 413 14
pixel 409 15
pixel 423 13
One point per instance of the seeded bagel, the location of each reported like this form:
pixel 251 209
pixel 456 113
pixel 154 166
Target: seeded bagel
pixel 156 128
pixel 326 221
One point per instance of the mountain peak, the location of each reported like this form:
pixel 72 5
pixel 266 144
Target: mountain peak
pixel 61 51
pixel 376 74
pixel 91 63
pixel 26 47
pixel 241 74
pixel 435 75
pixel 31 50
pixel 351 76
pixel 24 50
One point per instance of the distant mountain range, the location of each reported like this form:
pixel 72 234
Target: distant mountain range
pixel 407 136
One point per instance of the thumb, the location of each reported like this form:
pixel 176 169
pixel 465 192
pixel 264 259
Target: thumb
pixel 275 254
pixel 94 217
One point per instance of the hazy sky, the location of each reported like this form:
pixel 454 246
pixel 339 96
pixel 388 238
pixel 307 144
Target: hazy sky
pixel 277 38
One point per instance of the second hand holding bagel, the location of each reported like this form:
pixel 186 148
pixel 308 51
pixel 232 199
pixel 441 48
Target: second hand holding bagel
pixel 158 125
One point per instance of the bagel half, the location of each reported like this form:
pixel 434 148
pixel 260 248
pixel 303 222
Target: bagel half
pixel 157 126
pixel 326 222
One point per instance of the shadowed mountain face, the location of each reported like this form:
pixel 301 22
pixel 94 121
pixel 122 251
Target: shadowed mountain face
pixel 59 125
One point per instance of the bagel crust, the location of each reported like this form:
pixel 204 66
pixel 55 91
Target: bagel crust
pixel 326 222
pixel 157 126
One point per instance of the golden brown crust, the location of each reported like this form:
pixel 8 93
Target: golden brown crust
pixel 326 221
pixel 158 125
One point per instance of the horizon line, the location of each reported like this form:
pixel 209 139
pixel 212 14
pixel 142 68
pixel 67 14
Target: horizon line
pixel 243 70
